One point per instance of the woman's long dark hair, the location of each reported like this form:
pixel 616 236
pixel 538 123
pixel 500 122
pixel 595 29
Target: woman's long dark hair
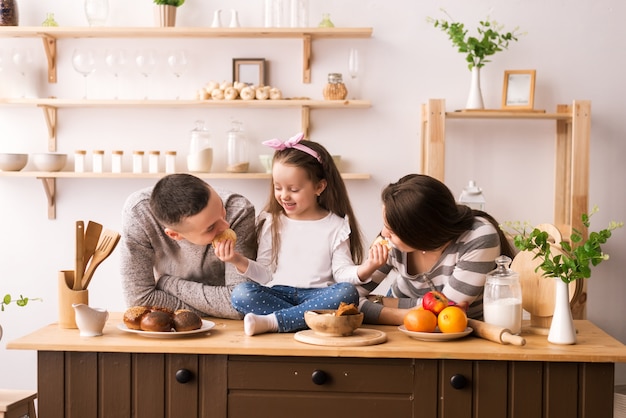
pixel 422 212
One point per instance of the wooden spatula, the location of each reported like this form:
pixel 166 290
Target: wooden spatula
pixel 92 236
pixel 79 265
pixel 107 243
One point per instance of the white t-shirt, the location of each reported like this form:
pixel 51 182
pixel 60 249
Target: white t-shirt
pixel 313 254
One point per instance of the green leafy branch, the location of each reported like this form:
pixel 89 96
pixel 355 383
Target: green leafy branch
pixel 22 301
pixel 491 39
pixel 575 258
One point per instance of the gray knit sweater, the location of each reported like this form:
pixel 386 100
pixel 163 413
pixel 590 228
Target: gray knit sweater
pixel 157 270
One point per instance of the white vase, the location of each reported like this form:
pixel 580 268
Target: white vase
pixel 475 98
pixel 562 330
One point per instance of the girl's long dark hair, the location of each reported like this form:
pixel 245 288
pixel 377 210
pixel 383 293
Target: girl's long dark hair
pixel 334 198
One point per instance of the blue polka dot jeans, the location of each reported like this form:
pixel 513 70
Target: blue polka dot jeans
pixel 289 303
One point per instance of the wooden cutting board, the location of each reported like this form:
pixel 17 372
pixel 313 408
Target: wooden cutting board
pixel 538 292
pixel 360 337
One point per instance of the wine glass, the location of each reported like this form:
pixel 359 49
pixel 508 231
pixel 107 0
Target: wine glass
pixel 22 58
pixel 146 61
pixel 116 62
pixel 84 62
pixel 177 61
pixel 353 69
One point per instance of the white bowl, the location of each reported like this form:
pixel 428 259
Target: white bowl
pixel 12 162
pixel 49 161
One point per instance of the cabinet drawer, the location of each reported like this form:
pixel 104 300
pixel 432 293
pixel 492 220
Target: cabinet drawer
pixel 321 374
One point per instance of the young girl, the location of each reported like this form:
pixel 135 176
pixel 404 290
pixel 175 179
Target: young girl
pixel 309 244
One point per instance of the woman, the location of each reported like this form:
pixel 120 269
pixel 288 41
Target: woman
pixel 437 244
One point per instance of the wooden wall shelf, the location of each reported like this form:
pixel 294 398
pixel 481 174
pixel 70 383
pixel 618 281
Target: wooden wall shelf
pixel 572 140
pixel 50 35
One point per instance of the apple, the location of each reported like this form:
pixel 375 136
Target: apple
pixel 434 301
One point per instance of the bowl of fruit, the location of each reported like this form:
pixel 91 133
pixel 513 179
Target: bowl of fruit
pixel 436 320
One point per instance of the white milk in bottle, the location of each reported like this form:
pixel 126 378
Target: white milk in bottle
pixel 502 300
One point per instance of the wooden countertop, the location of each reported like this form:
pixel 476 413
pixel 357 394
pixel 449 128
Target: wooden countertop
pixel 227 337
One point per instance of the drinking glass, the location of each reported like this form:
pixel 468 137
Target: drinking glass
pixel 84 62
pixel 146 61
pixel 116 62
pixel 177 61
pixel 353 70
pixel 97 12
pixel 22 59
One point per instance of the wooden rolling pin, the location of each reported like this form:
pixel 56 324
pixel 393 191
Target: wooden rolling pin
pixel 495 333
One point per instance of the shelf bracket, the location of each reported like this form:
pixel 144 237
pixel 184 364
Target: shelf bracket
pixel 50 187
pixel 306 59
pixel 306 120
pixel 50 46
pixel 50 113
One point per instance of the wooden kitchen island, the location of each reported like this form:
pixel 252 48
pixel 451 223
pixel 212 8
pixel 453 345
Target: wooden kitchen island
pixel 227 374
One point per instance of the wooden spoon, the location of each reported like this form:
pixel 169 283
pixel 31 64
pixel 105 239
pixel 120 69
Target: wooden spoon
pixel 107 243
pixel 79 265
pixel 92 236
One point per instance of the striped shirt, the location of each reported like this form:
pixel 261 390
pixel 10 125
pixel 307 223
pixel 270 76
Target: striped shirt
pixel 460 272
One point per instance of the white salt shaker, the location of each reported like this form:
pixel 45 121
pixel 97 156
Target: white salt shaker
pixel 116 161
pixel 79 160
pixel 153 161
pixel 98 161
pixel 138 162
pixel 170 162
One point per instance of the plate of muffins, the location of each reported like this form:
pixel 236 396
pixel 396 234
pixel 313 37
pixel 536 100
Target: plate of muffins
pixel 158 322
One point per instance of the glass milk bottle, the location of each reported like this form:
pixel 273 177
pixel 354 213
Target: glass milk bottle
pixel 502 300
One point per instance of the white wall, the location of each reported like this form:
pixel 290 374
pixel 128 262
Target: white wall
pixel 576 48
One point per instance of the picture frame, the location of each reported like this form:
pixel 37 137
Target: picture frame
pixel 519 90
pixel 250 71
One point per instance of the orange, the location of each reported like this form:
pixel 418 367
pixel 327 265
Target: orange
pixel 420 320
pixel 452 319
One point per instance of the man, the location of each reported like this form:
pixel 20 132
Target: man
pixel 167 259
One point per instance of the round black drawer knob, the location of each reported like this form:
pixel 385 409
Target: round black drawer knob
pixel 319 377
pixel 458 381
pixel 183 376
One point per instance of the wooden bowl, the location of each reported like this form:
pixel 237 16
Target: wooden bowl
pixel 13 162
pixel 324 322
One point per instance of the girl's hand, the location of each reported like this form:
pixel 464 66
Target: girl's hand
pixel 377 255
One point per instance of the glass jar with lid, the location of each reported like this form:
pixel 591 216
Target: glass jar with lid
pixel 335 89
pixel 200 157
pixel 238 161
pixel 502 299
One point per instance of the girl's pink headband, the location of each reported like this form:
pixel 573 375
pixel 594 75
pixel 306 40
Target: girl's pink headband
pixel 293 142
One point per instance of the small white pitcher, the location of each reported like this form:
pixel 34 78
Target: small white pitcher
pixel 90 321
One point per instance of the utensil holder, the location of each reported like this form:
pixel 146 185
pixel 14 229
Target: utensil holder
pixel 67 297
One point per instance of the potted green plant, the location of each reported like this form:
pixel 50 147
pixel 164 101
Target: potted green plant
pixel 165 11
pixel 564 261
pixel 490 39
